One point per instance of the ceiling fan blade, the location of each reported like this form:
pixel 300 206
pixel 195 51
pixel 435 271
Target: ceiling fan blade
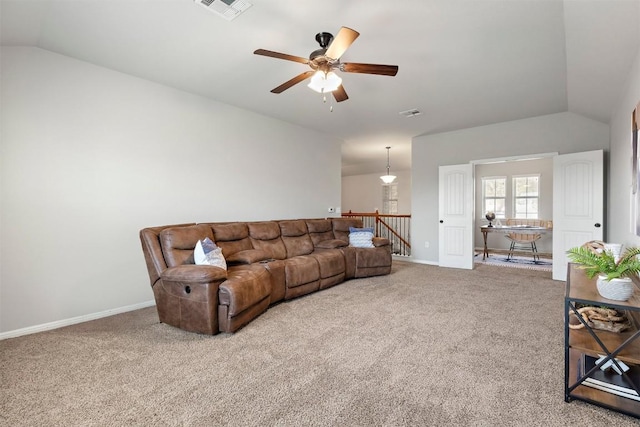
pixel 384 70
pixel 279 55
pixel 297 79
pixel 340 94
pixel 341 42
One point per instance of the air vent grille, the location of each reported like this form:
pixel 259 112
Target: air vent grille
pixel 228 9
pixel 410 113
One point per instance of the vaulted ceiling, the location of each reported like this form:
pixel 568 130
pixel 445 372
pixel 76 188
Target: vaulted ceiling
pixel 462 63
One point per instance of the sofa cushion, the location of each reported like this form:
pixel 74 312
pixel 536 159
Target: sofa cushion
pixel 230 231
pixel 341 227
pixel 245 286
pixel 331 263
pixel 232 237
pixel 265 235
pixel 264 230
pixel 377 258
pixel 295 237
pixel 293 228
pixel 178 243
pixel 332 267
pixel 331 244
pixel 301 270
pixel 248 256
pixel 319 225
pixel 320 230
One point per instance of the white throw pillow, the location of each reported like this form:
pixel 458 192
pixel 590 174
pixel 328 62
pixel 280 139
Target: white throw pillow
pixel 207 253
pixel 361 237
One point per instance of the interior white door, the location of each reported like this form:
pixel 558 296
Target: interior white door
pixel 456 205
pixel 577 204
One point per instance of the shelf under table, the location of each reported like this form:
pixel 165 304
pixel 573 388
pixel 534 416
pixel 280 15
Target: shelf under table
pixel 578 342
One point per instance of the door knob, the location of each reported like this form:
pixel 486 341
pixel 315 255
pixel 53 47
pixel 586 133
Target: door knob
pixel 597 225
pixel 441 221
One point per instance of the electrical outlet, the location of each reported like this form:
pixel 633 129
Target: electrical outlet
pixel 426 244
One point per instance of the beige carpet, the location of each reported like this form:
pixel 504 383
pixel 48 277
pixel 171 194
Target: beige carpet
pixel 423 346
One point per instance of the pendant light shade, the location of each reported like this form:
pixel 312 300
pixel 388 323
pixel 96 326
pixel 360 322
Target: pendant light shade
pixel 388 178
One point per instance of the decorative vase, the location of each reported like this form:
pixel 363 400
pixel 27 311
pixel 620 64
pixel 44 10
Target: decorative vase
pixel 619 289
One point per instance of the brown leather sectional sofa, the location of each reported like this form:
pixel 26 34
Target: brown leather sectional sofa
pixel 268 262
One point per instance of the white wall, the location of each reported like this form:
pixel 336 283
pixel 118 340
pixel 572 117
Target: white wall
pixel 90 156
pixel 619 198
pixel 542 167
pixel 562 133
pixel 363 193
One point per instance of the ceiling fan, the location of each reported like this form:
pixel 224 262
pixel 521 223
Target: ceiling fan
pixel 325 60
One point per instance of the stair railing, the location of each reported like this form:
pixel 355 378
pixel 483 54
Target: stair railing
pixel 396 228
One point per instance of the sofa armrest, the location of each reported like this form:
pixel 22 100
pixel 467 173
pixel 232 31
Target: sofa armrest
pixel 248 256
pixel 332 244
pixel 194 274
pixel 380 241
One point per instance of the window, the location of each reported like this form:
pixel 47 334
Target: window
pixel 390 199
pixel 494 195
pixel 525 196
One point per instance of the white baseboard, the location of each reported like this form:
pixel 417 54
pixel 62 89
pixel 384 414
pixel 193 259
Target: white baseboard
pixel 72 321
pixel 413 260
pixel 419 261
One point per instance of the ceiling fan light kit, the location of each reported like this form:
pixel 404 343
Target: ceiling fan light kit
pixel 325 60
pixel 323 82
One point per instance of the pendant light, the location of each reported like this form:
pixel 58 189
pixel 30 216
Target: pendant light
pixel 388 178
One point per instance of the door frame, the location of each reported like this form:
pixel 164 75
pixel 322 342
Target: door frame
pixel 505 159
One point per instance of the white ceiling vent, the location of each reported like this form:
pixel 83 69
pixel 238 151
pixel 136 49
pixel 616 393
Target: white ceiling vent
pixel 410 113
pixel 228 9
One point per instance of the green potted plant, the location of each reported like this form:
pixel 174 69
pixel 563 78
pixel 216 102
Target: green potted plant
pixel 614 275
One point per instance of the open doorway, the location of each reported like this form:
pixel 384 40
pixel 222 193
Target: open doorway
pixel 519 191
pixel 577 207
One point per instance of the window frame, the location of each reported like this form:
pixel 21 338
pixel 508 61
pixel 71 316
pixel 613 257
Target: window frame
pixel 389 202
pixel 515 197
pixel 502 215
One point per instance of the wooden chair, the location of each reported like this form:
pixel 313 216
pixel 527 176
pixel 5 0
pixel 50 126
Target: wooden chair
pixel 525 241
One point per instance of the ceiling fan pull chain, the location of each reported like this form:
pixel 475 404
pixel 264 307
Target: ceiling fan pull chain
pixel 324 99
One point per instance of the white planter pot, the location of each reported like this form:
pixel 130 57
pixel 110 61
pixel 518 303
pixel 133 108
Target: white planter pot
pixel 619 289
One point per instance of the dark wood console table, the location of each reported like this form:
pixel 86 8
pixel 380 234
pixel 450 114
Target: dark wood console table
pixel 624 346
